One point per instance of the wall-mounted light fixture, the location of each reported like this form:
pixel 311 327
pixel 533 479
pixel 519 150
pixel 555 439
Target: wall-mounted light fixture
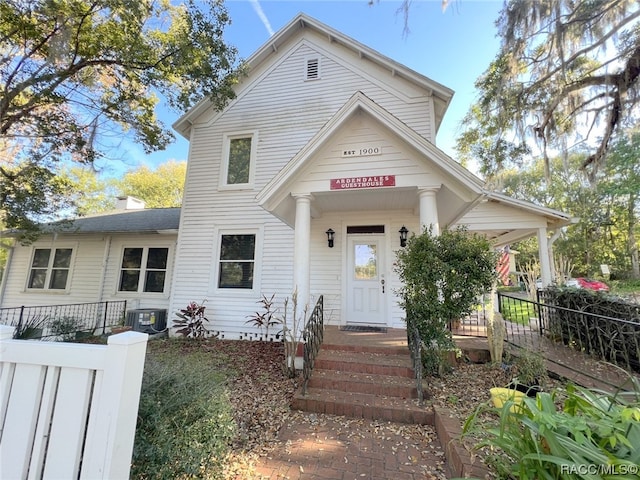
pixel 330 234
pixel 403 236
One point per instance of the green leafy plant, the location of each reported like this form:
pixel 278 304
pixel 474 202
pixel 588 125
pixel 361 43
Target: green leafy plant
pixel 442 277
pixel 530 368
pixel 594 435
pixel 191 321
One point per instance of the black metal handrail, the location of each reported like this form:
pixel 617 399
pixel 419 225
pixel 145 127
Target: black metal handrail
pixel 415 346
pixel 46 321
pixel 312 335
pixel 611 339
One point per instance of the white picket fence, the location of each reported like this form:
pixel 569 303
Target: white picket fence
pixel 69 411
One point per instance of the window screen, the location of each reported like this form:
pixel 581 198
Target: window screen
pixel 237 258
pixel 147 263
pixel 239 161
pixel 50 268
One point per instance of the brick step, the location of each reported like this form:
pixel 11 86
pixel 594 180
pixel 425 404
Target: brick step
pixel 356 382
pixel 362 405
pixel 371 363
pixel 367 349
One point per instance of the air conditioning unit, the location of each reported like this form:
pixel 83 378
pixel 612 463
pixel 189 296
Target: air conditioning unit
pixel 147 320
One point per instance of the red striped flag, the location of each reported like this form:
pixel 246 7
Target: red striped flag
pixel 503 266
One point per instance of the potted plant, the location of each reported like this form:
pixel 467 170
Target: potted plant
pixel 530 373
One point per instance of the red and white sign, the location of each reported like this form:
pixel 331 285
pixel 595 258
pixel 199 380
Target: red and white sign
pixel 363 182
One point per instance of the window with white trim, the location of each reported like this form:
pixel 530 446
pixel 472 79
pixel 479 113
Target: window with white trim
pixel 143 269
pixel 239 160
pixel 50 268
pixel 237 261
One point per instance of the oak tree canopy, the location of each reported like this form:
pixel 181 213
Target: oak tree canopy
pixel 566 76
pixel 77 75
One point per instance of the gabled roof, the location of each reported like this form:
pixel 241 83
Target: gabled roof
pixel 275 196
pixel 152 220
pixel 275 191
pixel 442 95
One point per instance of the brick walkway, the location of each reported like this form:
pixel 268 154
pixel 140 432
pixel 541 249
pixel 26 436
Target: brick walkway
pixel 339 448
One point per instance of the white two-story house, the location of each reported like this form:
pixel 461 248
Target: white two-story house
pixel 303 183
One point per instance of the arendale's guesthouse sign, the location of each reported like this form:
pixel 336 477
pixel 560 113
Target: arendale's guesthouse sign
pixel 373 181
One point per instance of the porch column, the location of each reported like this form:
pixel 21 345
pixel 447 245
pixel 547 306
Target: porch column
pixel 301 252
pixel 429 209
pixel 543 254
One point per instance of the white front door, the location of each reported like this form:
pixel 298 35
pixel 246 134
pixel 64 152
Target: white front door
pixel 366 283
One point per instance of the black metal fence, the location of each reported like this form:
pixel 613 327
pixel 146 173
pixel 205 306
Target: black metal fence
pixel 474 324
pixel 62 322
pixel 611 339
pixel 313 336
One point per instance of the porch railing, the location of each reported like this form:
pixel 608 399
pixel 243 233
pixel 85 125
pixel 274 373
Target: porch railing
pixel 313 335
pixel 53 321
pixel 611 339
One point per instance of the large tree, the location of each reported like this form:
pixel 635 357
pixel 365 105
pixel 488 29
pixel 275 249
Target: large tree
pixel 71 70
pixel 621 184
pixel 567 74
pixel 607 213
pixel 162 187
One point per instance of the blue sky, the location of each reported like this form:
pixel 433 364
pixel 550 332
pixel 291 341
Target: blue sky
pixel 452 47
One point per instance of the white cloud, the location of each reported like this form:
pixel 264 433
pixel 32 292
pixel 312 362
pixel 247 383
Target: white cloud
pixel 263 17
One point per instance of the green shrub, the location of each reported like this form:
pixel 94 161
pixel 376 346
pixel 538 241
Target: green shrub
pixel 442 277
pixel 594 435
pixel 185 421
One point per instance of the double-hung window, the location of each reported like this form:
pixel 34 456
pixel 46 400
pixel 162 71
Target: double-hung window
pixel 50 268
pixel 239 160
pixel 237 261
pixel 143 269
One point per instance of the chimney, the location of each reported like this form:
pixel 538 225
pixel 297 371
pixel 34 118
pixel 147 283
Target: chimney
pixel 129 203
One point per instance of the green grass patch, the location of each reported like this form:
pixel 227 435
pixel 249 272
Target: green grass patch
pixel 625 287
pixel 519 312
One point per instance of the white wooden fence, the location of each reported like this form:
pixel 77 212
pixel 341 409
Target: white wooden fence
pixel 69 411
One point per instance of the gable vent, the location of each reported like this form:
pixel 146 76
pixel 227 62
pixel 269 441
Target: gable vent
pixel 313 68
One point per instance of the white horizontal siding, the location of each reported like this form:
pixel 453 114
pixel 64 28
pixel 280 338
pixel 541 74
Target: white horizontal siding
pixel 494 216
pixel 85 274
pixel 409 168
pixel 285 112
pixel 114 263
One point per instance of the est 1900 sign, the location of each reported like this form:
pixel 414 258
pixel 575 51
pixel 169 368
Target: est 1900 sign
pixel 361 151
